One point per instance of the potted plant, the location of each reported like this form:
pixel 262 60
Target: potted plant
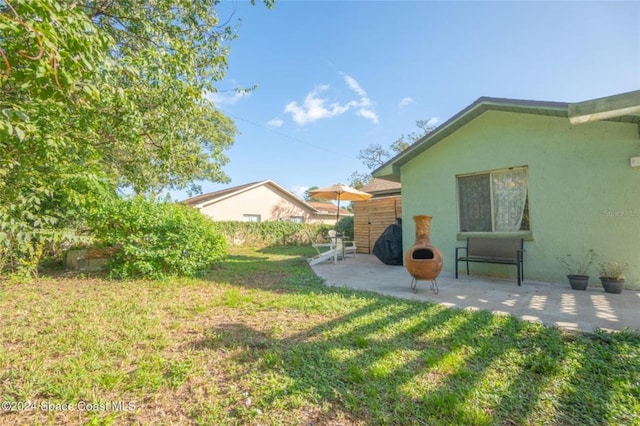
pixel 612 276
pixel 577 269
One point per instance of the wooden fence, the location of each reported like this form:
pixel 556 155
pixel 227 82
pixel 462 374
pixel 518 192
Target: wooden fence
pixel 372 217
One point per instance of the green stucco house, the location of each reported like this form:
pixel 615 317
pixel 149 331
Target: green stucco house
pixel 565 177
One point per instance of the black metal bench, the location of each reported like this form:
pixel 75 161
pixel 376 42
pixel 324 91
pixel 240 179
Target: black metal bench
pixel 503 251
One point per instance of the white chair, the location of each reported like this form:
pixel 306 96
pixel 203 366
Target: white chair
pixel 326 251
pixel 343 247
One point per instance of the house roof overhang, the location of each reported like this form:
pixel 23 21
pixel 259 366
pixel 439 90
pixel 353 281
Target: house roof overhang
pixel 391 169
pixel 382 187
pixel 205 200
pixel 624 104
pixel 328 209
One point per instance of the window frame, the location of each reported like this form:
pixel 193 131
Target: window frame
pixel 247 216
pixel 463 235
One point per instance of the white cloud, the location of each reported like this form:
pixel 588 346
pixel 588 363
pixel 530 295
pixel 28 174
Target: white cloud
pixel 276 122
pixel 368 114
pixel 433 121
pixel 364 105
pixel 299 190
pixel 228 98
pixel 405 102
pixel 315 107
pixel 353 84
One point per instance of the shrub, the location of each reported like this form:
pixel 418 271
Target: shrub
pixel 262 234
pixel 345 227
pixel 157 239
pixel 22 247
pixel 613 269
pixel 39 222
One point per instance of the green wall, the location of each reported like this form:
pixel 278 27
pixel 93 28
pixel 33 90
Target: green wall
pixel 583 193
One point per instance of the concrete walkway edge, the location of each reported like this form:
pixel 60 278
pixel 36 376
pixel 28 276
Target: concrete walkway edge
pixel 552 303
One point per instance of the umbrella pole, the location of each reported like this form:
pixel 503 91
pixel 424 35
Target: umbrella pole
pixel 338 212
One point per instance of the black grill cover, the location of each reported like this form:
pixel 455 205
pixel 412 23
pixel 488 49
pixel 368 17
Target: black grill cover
pixel 388 248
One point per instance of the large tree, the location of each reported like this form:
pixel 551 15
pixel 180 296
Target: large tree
pixel 376 155
pixel 105 95
pixel 170 55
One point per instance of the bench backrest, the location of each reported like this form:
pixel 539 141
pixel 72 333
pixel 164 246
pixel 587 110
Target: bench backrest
pixel 498 248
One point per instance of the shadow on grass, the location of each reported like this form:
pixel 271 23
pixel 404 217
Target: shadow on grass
pixel 407 363
pixel 390 361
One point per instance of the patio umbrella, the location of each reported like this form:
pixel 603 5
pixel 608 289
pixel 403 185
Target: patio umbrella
pixel 339 192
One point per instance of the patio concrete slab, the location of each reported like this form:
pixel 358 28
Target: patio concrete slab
pixel 552 303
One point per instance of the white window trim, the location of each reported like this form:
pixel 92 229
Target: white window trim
pixel 464 234
pixel 248 216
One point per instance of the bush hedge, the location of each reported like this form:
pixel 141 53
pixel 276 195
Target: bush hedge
pixel 346 227
pixel 157 239
pixel 263 234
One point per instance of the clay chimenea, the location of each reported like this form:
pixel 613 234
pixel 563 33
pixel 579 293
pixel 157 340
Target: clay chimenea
pixel 423 260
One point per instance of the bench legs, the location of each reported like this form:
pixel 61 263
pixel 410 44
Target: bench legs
pixel 457 268
pixel 489 259
pixel 519 267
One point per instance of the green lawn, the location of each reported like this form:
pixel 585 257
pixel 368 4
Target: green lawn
pixel 260 340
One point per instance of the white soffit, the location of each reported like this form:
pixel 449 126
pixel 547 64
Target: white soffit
pixel 604 108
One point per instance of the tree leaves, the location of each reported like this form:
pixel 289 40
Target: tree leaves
pixel 375 155
pixel 99 96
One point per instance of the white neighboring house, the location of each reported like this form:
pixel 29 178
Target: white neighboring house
pixel 263 201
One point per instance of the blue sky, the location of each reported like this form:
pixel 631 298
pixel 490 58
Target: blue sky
pixel 334 77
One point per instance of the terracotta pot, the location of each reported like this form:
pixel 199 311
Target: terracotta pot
pixel 423 260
